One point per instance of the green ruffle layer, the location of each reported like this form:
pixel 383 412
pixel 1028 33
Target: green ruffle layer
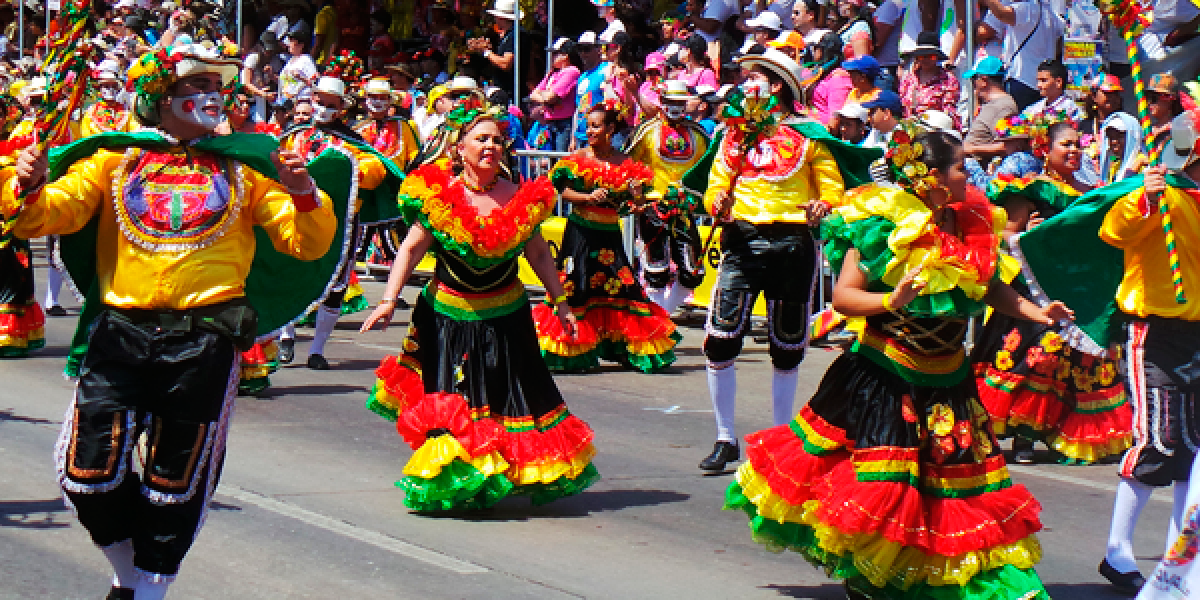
pixel 870 237
pixel 1039 187
pixel 612 351
pixel 1005 583
pixel 253 386
pixel 377 407
pixel 356 304
pixel 462 487
pixel 22 352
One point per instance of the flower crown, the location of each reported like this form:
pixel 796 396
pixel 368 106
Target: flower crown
pixel 1036 128
pixel 462 118
pixel 904 159
pixel 153 74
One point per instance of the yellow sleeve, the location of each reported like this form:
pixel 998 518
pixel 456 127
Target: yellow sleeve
pixel 1124 226
pixel 412 144
pixel 66 205
pixel 826 177
pixel 304 235
pixel 718 179
pixel 326 19
pixel 371 171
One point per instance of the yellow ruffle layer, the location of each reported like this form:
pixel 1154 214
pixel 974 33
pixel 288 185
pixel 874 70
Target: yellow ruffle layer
pixel 551 471
pixel 560 348
pixel 435 453
pixel 22 341
pixel 880 560
pixel 1088 452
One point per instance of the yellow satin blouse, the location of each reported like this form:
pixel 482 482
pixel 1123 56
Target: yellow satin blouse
pixel 166 246
pixel 1147 288
pixel 779 176
pixel 669 167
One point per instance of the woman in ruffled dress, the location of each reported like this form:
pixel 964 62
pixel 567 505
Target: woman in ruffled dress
pixel 890 477
pixel 616 320
pixel 1034 383
pixel 484 420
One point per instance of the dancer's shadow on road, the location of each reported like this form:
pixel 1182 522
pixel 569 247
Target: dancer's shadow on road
pixel 7 416
pixel 34 514
pixel 825 591
pixel 518 508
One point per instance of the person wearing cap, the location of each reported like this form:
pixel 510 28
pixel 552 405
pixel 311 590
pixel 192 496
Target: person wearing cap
pixel 928 85
pixel 1102 101
pixel 647 95
pixel 792 44
pixel 377 176
pixel 176 290
pixel 556 94
pixel 670 144
pixel 700 107
pixel 987 79
pixel 1163 97
pixel 852 126
pixel 461 92
pixel 300 72
pixel 589 88
pixel 393 137
pixel 883 114
pixel 767 199
pixel 863 71
pixel 763 27
pixel 109 113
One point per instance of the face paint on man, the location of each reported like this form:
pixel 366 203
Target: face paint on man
pixel 200 109
pixel 324 114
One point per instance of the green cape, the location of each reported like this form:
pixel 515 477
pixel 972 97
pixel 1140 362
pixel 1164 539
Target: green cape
pixel 1065 259
pixel 279 287
pixel 853 161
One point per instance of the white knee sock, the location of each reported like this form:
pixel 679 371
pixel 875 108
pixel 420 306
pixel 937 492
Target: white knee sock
pixel 1132 497
pixel 722 387
pixel 1177 507
pixel 326 319
pixel 288 332
pixel 150 590
pixel 657 296
pixel 783 394
pixel 54 281
pixel 120 556
pixel 675 297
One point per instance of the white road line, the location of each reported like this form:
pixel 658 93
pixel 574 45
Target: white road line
pixel 1104 487
pixel 353 532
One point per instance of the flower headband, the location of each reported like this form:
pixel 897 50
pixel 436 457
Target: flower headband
pixel 462 118
pixel 904 158
pixel 153 73
pixel 1036 128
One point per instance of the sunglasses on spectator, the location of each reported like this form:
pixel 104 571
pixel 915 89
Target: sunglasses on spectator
pixel 1154 96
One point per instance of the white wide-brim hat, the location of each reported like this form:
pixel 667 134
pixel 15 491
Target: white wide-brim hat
pixel 196 59
pixel 333 86
pixel 378 85
pixel 1182 148
pixel 676 89
pixel 780 64
pixel 504 9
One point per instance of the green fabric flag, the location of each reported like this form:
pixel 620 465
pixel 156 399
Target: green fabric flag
pixel 279 287
pixel 853 161
pixel 1065 259
pixel 380 205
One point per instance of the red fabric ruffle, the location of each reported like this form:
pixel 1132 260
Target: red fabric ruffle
pixel 1040 410
pixel 945 526
pixel 617 324
pixel 1098 428
pixel 255 355
pixel 20 321
pixel 448 411
pixel 402 381
pixel 548 326
pixel 780 458
pixel 563 442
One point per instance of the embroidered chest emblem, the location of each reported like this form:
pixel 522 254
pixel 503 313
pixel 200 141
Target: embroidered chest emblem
pixel 774 158
pixel 676 144
pixel 168 203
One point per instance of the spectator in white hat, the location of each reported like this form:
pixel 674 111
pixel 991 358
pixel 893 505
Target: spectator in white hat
pixel 500 58
pixel 762 28
pixel 589 88
pixel 852 124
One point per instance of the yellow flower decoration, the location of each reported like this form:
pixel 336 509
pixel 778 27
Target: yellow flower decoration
pixel 1083 379
pixel 612 286
pixel 1052 342
pixel 1004 360
pixel 1106 373
pixel 941 420
pixel 984 441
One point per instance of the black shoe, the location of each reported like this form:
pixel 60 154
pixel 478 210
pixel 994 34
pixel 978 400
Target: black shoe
pixel 56 311
pixel 402 304
pixel 723 452
pixel 287 351
pixel 119 593
pixel 317 362
pixel 1023 451
pixel 1128 582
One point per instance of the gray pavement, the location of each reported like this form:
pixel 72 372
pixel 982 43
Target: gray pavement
pixel 307 507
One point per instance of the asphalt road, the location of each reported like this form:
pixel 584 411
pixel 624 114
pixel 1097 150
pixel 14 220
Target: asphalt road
pixel 307 507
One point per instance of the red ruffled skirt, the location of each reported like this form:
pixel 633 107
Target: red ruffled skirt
pixel 22 322
pixel 899 489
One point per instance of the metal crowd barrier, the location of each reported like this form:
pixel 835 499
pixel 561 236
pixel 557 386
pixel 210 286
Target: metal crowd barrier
pixel 535 163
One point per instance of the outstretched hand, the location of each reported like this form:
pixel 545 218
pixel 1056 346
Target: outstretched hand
pixel 566 318
pixel 31 166
pixel 1056 312
pixel 382 314
pixel 293 170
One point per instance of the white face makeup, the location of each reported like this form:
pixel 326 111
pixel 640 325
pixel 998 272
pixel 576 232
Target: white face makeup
pixel 324 114
pixel 674 111
pixel 376 105
pixel 200 109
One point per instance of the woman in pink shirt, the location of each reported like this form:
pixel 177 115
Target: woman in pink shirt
pixel 835 84
pixel 697 66
pixel 555 95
